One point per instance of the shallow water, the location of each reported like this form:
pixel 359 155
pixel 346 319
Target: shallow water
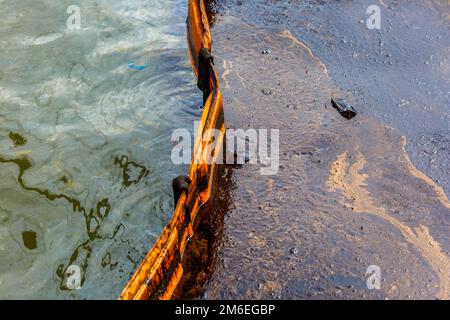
pixel 86 117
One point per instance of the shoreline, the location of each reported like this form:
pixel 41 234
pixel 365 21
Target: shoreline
pixel 267 217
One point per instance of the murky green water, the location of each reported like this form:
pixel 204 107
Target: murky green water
pixel 85 123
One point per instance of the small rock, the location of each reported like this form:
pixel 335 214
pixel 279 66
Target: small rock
pixel 267 92
pixel 266 51
pixel 293 250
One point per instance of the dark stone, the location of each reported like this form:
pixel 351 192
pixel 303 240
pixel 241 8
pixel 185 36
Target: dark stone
pixel 346 110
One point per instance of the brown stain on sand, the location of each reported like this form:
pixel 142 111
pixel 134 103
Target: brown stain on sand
pixel 343 177
pixel 442 196
pixel 295 41
pixel 351 182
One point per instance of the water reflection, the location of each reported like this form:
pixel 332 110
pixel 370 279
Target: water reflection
pixel 85 147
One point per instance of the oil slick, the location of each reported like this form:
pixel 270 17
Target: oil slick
pixel 415 265
pixel 17 139
pixel 442 196
pixel 29 239
pixel 71 105
pixel 348 179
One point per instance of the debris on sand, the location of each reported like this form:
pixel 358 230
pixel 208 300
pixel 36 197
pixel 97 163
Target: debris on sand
pixel 267 92
pixel 346 110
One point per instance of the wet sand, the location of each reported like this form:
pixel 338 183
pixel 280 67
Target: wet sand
pixel 349 193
